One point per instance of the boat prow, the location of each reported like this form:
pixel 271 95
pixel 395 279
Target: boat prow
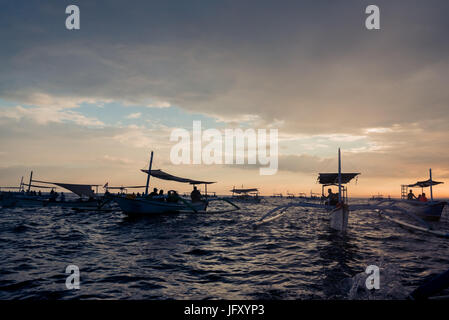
pixel 339 218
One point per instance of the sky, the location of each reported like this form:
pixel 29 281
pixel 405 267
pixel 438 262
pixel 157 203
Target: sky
pixel 88 105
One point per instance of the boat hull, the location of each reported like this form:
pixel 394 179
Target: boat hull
pixel 151 207
pixel 245 200
pixel 430 211
pixel 72 204
pixel 339 218
pixel 21 201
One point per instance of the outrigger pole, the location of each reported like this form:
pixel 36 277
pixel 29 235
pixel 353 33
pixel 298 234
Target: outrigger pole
pixel 31 177
pixel 339 176
pixel 149 174
pixel 431 190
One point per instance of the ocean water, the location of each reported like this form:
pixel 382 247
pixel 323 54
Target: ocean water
pixel 211 256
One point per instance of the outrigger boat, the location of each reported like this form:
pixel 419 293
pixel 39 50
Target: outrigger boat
pixel 245 195
pixel 428 210
pixel 88 199
pixel 146 205
pixel 338 210
pixel 22 198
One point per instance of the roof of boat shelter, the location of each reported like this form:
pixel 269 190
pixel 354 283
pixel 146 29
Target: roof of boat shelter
pixel 332 178
pixel 166 176
pixel 78 189
pixel 424 184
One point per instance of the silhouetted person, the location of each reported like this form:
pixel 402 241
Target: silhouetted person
pixel 410 195
pixel 154 193
pixel 172 197
pixel 195 195
pixel 422 197
pixel 332 198
pixel 53 196
pixel 160 197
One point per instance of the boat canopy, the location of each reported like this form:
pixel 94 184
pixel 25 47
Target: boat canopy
pixel 424 184
pixel 78 189
pixel 165 176
pixel 332 178
pixel 34 186
pixel 245 190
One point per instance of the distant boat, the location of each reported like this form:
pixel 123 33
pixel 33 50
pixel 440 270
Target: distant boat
pixel 377 197
pixel 88 199
pixel 23 196
pixel 245 195
pixel 429 210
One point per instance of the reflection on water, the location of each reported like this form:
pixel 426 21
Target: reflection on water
pixel 210 256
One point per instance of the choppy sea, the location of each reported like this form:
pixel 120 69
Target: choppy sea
pixel 211 256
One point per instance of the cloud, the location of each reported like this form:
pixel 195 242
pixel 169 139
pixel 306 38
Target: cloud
pixel 230 61
pixel 308 68
pixel 45 115
pixel 134 115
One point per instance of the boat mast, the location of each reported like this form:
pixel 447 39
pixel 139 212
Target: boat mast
pixel 21 184
pixel 149 174
pixel 339 175
pixel 29 184
pixel 431 190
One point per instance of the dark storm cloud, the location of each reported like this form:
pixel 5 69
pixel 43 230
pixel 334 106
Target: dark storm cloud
pixel 293 61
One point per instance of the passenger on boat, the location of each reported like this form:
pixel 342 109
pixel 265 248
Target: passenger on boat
pixel 62 197
pixel 422 197
pixel 160 197
pixel 172 196
pixel 53 196
pixel 410 195
pixel 39 193
pixel 153 193
pixel 195 195
pixel 332 198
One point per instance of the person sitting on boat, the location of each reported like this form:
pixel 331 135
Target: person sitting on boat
pixel 410 195
pixel 422 197
pixel 195 195
pixel 332 198
pixel 62 197
pixel 160 197
pixel 172 196
pixel 153 193
pixel 53 197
